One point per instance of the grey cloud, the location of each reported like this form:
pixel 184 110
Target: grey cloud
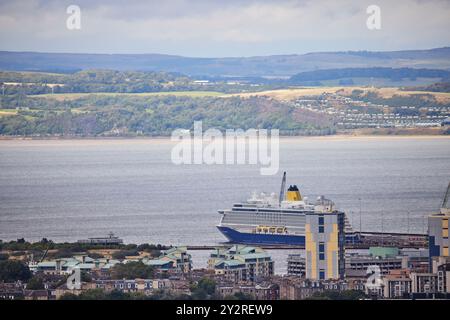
pixel 218 28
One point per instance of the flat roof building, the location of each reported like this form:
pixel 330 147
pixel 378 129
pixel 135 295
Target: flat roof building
pixel 109 240
pixel 241 263
pixel 438 240
pixel 324 242
pixel 296 265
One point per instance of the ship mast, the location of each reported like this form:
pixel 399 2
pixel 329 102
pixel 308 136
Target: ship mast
pixel 444 206
pixel 283 189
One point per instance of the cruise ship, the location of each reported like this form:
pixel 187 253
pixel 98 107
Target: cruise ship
pixel 275 220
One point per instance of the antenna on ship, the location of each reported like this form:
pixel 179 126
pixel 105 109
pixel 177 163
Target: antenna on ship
pixel 283 189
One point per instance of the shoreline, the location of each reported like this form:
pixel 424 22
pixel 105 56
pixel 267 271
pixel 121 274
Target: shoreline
pixel 285 138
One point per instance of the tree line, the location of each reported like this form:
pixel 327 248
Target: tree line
pixel 100 115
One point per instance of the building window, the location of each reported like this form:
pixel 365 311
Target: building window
pixel 321 224
pixel 321 220
pixel 322 274
pixel 321 251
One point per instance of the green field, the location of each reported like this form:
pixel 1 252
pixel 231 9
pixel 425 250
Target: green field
pixel 73 96
pixel 7 112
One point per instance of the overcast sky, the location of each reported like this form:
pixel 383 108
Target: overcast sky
pixel 208 28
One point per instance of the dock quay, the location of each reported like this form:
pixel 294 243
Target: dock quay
pixel 366 240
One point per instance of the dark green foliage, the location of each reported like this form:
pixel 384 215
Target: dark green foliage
pixel 64 253
pixel 69 296
pixel 14 270
pixel 150 247
pixel 124 253
pixel 239 296
pixel 154 250
pixel 85 277
pixel 18 253
pixel 92 294
pixel 35 283
pixel 89 81
pixel 208 285
pixel 4 256
pixel 95 255
pixel 155 116
pixel 23 245
pixel 132 270
pixel 204 289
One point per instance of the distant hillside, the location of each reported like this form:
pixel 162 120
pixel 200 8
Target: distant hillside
pixel 280 65
pixel 113 81
pixel 347 74
pixel 435 87
pixel 137 115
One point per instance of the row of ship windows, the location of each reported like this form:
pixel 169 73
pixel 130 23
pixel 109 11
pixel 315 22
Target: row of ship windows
pixel 265 215
pixel 269 211
pixel 247 217
pixel 257 221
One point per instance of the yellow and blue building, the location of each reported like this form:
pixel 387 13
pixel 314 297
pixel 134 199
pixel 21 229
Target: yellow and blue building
pixel 438 241
pixel 324 242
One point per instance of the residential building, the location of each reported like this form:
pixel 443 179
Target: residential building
pixel 11 291
pixel 175 258
pixel 438 240
pixel 397 284
pixel 424 283
pixel 62 290
pixel 441 267
pixel 324 242
pixel 443 277
pixel 241 264
pixel 295 288
pixel 146 286
pixel 263 291
pixel 36 294
pixel 66 266
pixel 387 259
pixel 296 265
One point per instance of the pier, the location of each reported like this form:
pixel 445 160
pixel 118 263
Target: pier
pixel 367 240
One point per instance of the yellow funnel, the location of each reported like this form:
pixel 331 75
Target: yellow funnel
pixel 293 194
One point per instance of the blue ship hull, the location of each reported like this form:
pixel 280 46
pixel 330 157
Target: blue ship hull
pixel 272 239
pixel 261 238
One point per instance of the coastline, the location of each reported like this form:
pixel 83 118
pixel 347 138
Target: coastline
pixel 340 136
